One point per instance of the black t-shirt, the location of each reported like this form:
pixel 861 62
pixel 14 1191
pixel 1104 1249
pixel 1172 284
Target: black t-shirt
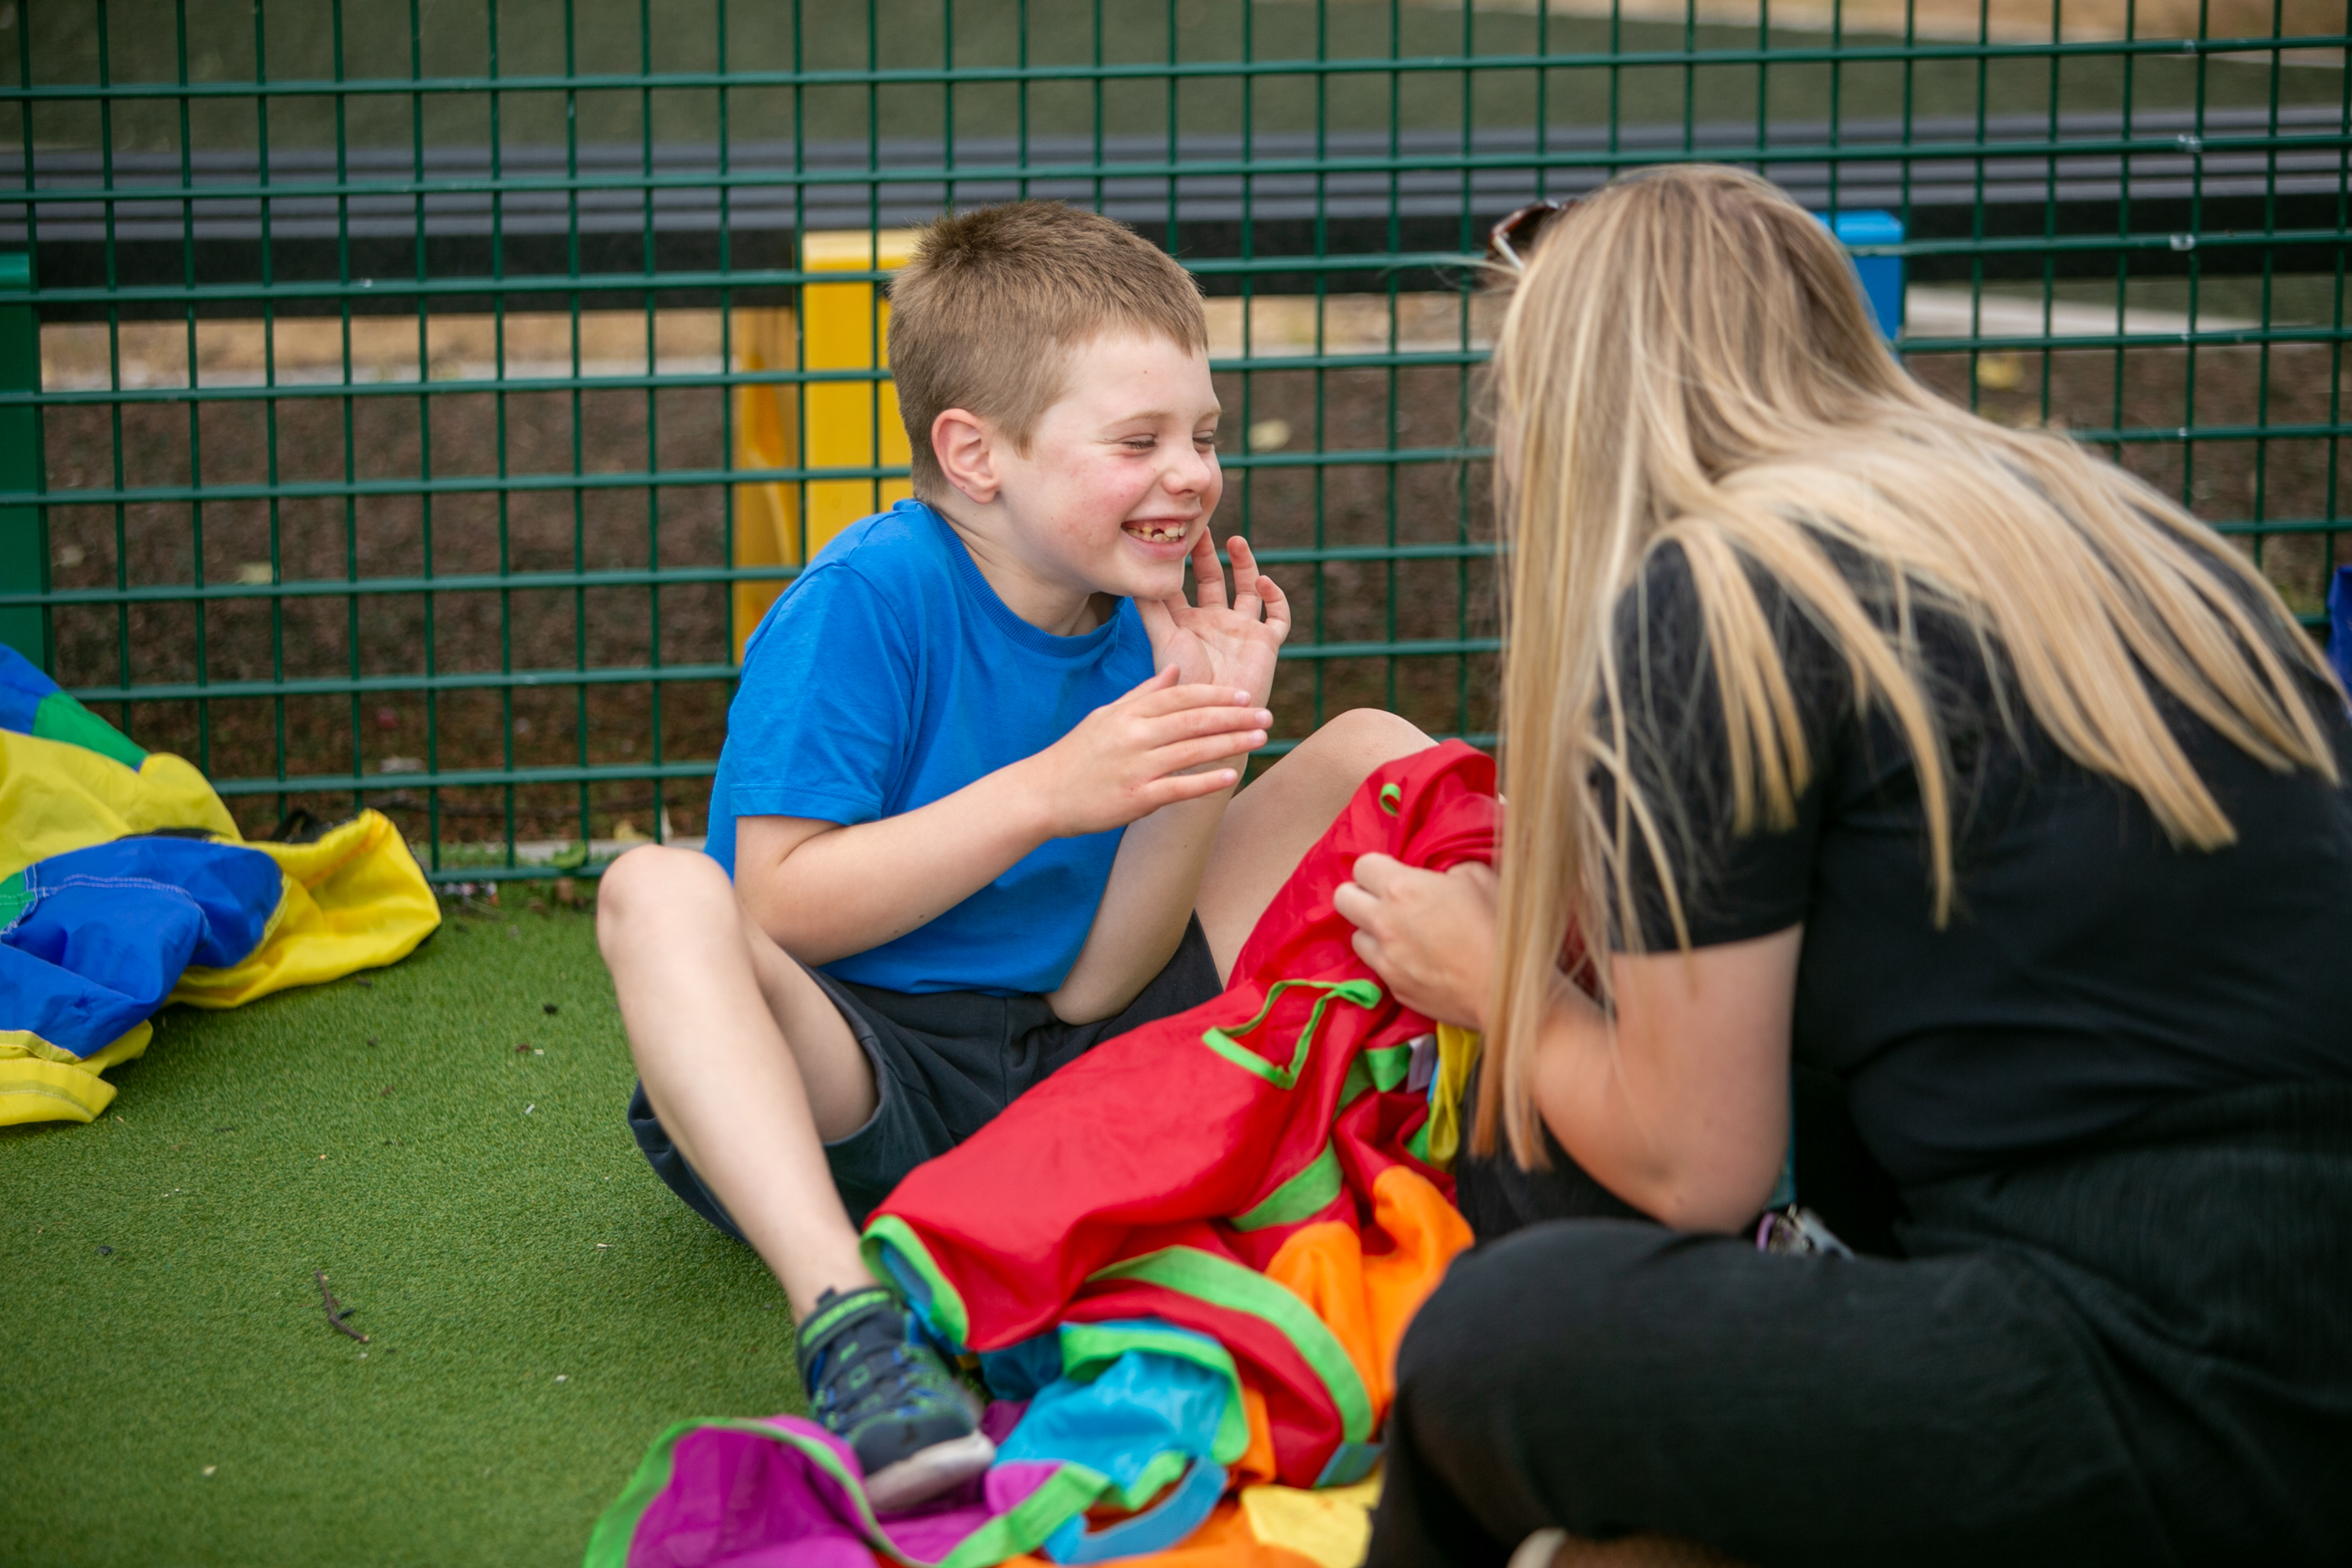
pixel 2088 971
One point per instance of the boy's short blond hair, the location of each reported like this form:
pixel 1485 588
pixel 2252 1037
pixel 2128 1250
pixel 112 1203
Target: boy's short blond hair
pixel 984 317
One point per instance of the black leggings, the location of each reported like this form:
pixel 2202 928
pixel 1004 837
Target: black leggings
pixel 2137 1353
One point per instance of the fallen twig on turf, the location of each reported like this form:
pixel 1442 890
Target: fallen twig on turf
pixel 336 1310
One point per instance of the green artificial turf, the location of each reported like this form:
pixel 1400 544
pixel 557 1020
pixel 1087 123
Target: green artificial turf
pixel 539 1307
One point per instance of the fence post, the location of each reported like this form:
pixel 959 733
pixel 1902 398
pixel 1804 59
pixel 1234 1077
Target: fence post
pixel 23 567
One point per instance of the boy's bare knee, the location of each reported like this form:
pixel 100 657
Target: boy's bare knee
pixel 1351 744
pixel 659 885
pixel 1377 735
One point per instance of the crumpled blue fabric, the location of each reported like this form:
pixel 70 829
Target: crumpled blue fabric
pixel 22 687
pixel 1143 1406
pixel 1146 1419
pixel 103 932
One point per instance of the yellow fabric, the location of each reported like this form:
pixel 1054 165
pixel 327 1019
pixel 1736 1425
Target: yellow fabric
pixel 42 1082
pixel 354 900
pixel 1332 1528
pixel 1457 1053
pixel 55 796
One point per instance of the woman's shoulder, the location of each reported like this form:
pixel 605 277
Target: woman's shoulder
pixel 1663 649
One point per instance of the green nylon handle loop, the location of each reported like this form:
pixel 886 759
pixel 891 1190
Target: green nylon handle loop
pixel 1362 992
pixel 1391 798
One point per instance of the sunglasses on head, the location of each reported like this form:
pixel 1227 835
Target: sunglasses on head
pixel 1510 239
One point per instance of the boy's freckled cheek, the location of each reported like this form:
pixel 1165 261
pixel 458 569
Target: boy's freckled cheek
pixel 1110 498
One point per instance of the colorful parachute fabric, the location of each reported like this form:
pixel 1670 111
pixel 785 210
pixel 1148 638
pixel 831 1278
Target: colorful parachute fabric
pixel 124 885
pixel 783 1490
pixel 1184 1264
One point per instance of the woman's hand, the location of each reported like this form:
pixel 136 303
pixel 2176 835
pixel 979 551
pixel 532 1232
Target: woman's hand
pixel 1430 935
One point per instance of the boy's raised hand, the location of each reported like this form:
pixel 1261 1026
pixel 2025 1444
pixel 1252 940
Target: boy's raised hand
pixel 1128 758
pixel 1213 642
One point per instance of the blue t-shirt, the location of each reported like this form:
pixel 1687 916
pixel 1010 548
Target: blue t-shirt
pixel 890 675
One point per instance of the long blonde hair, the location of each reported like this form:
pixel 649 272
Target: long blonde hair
pixel 1688 358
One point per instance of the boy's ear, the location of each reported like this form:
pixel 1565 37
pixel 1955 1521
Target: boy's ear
pixel 966 450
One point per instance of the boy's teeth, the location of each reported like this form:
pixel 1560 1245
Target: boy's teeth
pixel 1154 533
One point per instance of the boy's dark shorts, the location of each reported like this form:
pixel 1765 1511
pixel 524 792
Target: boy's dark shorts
pixel 944 1065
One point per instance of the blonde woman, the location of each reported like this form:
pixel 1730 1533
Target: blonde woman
pixel 1983 785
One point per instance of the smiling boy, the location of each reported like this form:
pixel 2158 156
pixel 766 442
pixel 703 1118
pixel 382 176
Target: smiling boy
pixel 977 798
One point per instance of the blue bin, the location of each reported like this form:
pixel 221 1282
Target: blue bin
pixel 2339 623
pixel 1881 276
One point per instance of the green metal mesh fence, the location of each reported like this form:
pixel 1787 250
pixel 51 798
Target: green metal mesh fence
pixel 379 384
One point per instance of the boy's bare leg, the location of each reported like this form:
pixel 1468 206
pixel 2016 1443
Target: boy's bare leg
pixel 752 1068
pixel 748 1063
pixel 1271 824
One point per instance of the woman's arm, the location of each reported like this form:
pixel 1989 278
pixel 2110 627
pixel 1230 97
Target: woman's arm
pixel 1688 1118
pixel 1684 1113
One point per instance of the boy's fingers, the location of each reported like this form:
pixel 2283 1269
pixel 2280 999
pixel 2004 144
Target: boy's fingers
pixel 1177 787
pixel 1175 757
pixel 1244 575
pixel 1162 680
pixel 1277 606
pixel 1168 729
pixel 1208 577
pixel 1182 699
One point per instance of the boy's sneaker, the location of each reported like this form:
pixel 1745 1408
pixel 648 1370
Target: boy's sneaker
pixel 888 1395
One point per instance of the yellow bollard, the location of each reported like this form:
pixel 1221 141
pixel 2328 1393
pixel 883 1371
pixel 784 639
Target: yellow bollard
pixel 767 436
pixel 847 423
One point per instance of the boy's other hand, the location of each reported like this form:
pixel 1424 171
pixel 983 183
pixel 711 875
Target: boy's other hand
pixel 1216 643
pixel 1126 759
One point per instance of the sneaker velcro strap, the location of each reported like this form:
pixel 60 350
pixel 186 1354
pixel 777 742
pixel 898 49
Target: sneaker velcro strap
pixel 834 1310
